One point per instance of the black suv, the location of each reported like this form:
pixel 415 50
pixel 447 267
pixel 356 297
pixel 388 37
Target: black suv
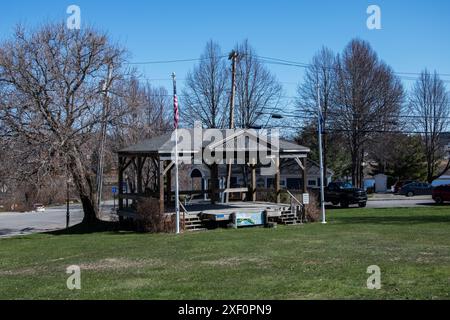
pixel 345 194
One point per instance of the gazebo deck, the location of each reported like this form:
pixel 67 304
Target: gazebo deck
pixel 223 211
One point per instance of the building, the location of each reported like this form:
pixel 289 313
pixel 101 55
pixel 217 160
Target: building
pixel 290 178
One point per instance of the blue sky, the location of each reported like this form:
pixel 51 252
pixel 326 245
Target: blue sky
pixel 414 35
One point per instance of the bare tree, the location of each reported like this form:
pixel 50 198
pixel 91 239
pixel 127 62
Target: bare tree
pixel 147 116
pixel 368 101
pixel 147 113
pixel 257 90
pixel 429 105
pixel 52 99
pixel 320 74
pixel 205 96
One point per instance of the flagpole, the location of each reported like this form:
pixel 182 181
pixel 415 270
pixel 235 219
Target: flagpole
pixel 177 196
pixel 319 126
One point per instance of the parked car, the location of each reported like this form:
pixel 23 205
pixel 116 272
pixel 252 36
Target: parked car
pixel 345 194
pixel 400 183
pixel 38 207
pixel 441 194
pixel 416 188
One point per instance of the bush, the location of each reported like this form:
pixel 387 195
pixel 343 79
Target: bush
pixel 150 219
pixel 313 208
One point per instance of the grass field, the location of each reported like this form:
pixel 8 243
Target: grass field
pixel 314 261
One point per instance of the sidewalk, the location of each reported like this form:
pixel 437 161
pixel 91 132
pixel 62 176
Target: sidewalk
pixel 391 196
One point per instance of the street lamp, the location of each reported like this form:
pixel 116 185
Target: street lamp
pixel 277 116
pixel 272 116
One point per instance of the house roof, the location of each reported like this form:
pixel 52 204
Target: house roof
pixel 166 143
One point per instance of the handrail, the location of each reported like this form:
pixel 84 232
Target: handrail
pixel 184 214
pixel 303 208
pixel 294 198
pixel 183 207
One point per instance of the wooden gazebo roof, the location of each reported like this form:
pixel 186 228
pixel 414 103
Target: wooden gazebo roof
pixel 165 144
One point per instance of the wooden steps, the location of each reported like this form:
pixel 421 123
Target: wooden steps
pixel 288 218
pixel 192 223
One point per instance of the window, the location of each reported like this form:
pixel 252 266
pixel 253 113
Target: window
pixel 260 183
pixel 294 183
pixel 271 183
pixel 312 183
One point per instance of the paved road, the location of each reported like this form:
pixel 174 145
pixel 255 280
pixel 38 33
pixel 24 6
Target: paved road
pixel 13 223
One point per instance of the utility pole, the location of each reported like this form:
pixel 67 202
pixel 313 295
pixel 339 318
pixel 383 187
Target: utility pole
pixel 319 128
pixel 103 137
pixel 233 57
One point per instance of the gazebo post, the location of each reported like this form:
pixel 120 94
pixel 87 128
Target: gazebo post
pixel 121 169
pixel 253 191
pixel 305 175
pixel 161 185
pixel 214 182
pixel 169 186
pixel 277 178
pixel 139 175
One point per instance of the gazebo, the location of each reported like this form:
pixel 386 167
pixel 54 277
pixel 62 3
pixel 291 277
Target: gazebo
pixel 145 168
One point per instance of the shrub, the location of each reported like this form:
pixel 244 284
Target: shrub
pixel 313 208
pixel 150 219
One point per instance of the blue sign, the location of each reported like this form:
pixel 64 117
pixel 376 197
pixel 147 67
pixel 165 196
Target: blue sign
pixel 114 190
pixel 249 219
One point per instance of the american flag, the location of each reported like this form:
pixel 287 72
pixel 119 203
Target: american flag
pixel 176 115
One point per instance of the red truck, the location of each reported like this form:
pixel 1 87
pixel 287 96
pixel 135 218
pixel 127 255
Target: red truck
pixel 441 194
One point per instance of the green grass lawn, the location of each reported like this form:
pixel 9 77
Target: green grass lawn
pixel 314 261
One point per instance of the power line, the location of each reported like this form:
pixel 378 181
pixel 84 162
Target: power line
pixel 277 61
pixel 355 114
pixel 307 65
pixel 173 61
pixel 350 130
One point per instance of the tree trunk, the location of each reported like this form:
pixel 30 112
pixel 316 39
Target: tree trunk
pixel 90 210
pixel 354 168
pixel 85 186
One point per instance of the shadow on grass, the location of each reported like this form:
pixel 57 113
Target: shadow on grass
pixel 85 228
pixel 393 219
pixel 337 207
pixel 434 204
